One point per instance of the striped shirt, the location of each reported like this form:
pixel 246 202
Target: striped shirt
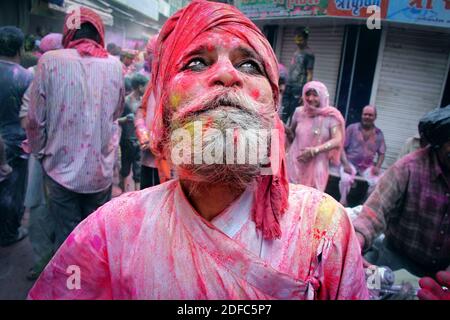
pixel 73 127
pixel 411 204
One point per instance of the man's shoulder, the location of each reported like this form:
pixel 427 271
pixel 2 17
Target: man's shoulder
pixel 133 206
pixel 419 157
pixel 354 126
pixel 323 211
pixel 18 69
pixel 67 55
pixel 379 131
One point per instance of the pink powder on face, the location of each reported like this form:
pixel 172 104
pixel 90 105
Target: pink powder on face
pixel 255 94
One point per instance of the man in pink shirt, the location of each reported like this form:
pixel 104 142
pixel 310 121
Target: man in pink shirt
pixel 76 98
pixel 221 230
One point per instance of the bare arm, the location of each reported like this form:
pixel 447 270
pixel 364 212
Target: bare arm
pixel 333 143
pixel 142 133
pixel 290 131
pixel 336 139
pixel 381 205
pixel 380 160
pixel 309 75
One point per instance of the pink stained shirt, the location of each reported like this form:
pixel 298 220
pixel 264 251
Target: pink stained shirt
pixel 73 112
pixel 153 245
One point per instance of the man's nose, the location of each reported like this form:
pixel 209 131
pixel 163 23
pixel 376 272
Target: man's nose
pixel 226 75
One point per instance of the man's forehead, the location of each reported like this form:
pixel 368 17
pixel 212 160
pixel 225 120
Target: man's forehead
pixel 216 39
pixel 369 109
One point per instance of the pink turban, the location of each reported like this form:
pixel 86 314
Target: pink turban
pixel 86 47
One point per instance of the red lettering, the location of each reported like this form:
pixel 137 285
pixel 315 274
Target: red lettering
pixel 447 4
pixel 416 3
pixel 429 4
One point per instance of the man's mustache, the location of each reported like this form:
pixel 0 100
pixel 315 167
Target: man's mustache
pixel 217 99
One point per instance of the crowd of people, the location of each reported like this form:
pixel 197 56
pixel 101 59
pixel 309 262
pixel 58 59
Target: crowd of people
pixel 88 122
pixel 63 162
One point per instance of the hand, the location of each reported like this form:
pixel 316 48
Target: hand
pixel 348 168
pixel 375 171
pixel 432 289
pixel 305 155
pixel 5 170
pixel 26 146
pixel 144 145
pixel 289 134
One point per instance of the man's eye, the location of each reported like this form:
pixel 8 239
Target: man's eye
pixel 196 64
pixel 250 67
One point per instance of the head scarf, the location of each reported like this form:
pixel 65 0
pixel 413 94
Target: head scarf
pixel 271 194
pixel 434 127
pixel 150 48
pixel 52 41
pixel 324 110
pixel 85 47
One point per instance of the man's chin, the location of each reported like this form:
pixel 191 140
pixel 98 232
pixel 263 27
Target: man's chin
pixel 235 175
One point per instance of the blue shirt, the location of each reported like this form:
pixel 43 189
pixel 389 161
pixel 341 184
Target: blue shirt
pixel 14 81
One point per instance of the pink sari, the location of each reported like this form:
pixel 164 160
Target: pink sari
pixel 314 127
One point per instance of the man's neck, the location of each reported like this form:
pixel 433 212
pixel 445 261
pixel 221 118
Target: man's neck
pixel 210 199
pixel 367 128
pixel 10 59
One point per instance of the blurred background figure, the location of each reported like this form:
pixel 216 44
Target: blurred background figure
pixel 317 137
pixel 41 223
pixel 129 144
pixel 300 72
pixel 14 81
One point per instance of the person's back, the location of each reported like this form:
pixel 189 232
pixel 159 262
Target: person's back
pixel 82 99
pixel 14 81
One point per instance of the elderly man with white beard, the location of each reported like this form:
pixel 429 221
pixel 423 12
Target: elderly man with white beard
pixel 225 229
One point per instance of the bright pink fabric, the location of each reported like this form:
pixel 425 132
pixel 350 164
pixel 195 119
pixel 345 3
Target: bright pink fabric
pixel 313 129
pixel 177 33
pixel 85 47
pixel 153 245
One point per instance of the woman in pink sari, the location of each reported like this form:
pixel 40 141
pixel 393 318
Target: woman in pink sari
pixel 318 131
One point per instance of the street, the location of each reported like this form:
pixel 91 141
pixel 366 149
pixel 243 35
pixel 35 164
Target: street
pixel 15 261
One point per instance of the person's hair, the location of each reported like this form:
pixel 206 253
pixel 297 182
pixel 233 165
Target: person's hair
pixel 11 41
pixel 303 31
pixel 113 49
pixel 138 80
pixel 87 31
